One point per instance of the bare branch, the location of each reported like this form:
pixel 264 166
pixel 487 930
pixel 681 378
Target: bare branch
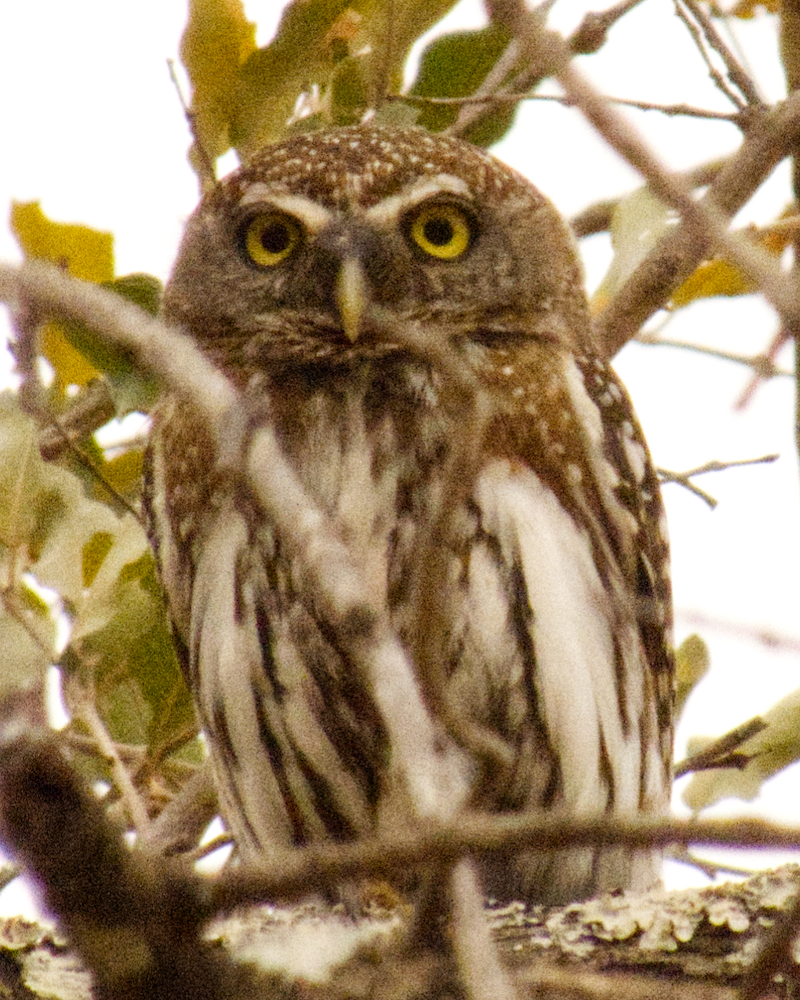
pixel 685 478
pixel 484 976
pixel 548 54
pixel 768 141
pixel 181 823
pixel 760 374
pixel 719 80
pixel 93 408
pixel 294 873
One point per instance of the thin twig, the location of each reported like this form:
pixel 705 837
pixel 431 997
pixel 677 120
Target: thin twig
pixel 513 98
pixel 736 72
pixel 82 702
pixel 714 466
pixel 132 756
pixel 782 337
pixel 751 633
pixel 210 847
pixel 686 110
pixel 720 753
pixel 206 172
pixel 687 484
pixel 685 478
pixel 15 609
pixel 718 78
pixel 94 470
pixel 711 869
pixel 761 364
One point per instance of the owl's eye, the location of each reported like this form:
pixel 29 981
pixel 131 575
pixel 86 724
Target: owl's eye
pixel 270 237
pixel 443 231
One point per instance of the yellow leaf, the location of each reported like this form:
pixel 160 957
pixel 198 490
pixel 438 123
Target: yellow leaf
pixel 86 253
pixel 747 9
pixel 713 277
pixel 692 661
pixel 69 365
pixel 719 277
pixel 124 473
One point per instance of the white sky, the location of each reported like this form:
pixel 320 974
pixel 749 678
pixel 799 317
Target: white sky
pixel 91 126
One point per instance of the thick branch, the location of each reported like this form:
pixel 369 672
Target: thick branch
pixel 316 867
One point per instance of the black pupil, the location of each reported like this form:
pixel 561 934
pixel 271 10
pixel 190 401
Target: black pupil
pixel 439 232
pixel 275 237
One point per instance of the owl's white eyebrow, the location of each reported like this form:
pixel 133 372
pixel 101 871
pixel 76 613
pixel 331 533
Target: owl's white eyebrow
pixel 422 189
pixel 313 216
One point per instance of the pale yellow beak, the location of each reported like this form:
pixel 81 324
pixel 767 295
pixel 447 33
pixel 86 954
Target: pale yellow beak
pixel 352 296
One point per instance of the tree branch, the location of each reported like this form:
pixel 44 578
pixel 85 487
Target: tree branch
pixel 768 141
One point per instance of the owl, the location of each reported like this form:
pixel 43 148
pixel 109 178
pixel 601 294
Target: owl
pixel 297 276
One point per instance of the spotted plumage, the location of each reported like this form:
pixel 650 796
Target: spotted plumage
pixel 297 275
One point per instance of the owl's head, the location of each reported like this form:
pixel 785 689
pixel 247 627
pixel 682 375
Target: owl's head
pixel 302 248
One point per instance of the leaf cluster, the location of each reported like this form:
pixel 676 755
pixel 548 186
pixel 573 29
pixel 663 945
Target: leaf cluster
pixel 80 588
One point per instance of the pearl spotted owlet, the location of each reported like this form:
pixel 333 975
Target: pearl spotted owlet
pixel 296 276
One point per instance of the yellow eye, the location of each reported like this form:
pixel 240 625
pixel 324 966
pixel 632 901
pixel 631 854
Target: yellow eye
pixel 271 237
pixel 443 231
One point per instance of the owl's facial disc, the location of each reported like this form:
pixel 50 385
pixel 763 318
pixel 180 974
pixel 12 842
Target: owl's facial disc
pixel 362 263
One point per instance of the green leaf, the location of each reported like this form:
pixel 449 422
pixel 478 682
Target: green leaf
pixel 124 473
pixel 120 632
pixel 144 290
pixel 43 508
pixel 94 552
pixel 771 750
pixel 312 41
pixel 638 223
pixel 274 77
pixel 720 277
pixel 455 66
pixel 23 661
pixel 217 40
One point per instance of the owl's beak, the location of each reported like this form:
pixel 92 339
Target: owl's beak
pixel 352 296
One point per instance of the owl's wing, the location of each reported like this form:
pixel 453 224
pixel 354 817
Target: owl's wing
pixel 568 602
pixel 294 737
